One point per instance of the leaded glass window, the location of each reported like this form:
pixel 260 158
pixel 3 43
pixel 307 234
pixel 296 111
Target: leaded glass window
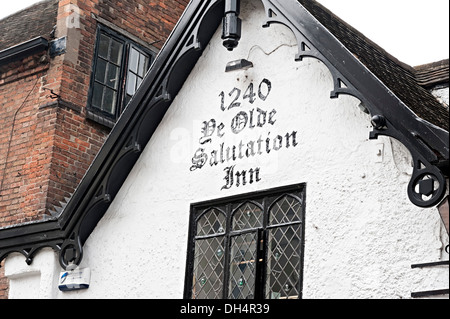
pixel 247 247
pixel 107 73
pixel 119 68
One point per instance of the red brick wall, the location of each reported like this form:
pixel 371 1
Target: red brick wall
pixel 46 150
pixel 46 145
pixel 23 136
pixel 77 140
pixel 4 286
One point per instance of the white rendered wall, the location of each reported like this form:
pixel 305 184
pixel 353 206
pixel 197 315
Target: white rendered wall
pixel 362 232
pixel 442 94
pixel 37 281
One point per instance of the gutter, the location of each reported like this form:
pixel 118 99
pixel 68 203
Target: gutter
pixel 23 49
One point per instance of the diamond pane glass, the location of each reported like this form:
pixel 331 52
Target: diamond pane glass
pixel 283 263
pixel 286 210
pixel 212 222
pixel 248 249
pixel 208 268
pixel 248 216
pixel 243 266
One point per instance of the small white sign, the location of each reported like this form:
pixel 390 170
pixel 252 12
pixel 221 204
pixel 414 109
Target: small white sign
pixel 74 279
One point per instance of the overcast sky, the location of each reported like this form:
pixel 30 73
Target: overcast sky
pixel 414 31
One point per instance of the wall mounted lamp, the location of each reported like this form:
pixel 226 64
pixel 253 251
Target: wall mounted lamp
pixel 241 64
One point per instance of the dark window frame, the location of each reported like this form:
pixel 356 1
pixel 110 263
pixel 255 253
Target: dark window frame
pixel 94 113
pixel 230 206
